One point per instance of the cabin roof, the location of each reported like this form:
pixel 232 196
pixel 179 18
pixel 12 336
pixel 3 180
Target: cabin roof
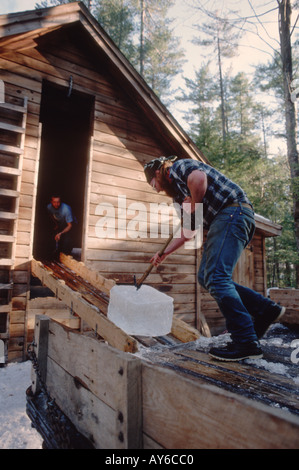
pixel 23 29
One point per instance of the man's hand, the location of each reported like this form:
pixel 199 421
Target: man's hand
pixel 157 259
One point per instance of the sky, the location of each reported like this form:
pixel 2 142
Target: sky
pixel 10 6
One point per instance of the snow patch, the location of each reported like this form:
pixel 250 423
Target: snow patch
pixel 15 430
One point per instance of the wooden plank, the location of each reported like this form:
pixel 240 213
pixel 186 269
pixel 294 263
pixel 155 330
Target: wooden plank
pixel 88 365
pixel 92 417
pixel 8 215
pixel 88 312
pixel 96 279
pixel 238 378
pixel 46 303
pixel 10 171
pixel 137 256
pixel 13 107
pixel 102 387
pixel 10 149
pixel 288 298
pixel 62 316
pixel 7 238
pixel 8 192
pixel 5 308
pixel 180 413
pixel 6 262
pixel 40 350
pixel 11 128
pixel 183 332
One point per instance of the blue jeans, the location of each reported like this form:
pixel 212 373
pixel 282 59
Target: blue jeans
pixel 229 233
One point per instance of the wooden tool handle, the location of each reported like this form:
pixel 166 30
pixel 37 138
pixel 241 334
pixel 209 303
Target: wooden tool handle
pixel 144 276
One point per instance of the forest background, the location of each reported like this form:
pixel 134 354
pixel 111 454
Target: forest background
pixel 244 120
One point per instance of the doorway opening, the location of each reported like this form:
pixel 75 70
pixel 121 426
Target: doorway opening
pixel 64 154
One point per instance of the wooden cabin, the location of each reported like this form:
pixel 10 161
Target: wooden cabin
pixel 76 117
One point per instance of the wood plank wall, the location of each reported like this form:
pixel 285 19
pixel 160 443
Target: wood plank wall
pixel 122 143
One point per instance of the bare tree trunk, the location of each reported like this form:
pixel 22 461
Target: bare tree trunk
pixel 141 56
pixel 264 134
pixel 221 93
pixel 290 112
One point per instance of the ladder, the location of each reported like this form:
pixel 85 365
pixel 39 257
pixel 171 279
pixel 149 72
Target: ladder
pixel 12 138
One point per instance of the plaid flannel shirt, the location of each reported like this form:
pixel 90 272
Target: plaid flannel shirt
pixel 221 191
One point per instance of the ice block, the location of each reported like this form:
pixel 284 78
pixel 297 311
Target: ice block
pixel 143 312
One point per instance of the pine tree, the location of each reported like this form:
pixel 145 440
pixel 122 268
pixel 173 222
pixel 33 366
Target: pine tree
pixel 218 34
pixel 202 96
pixel 160 59
pixel 117 17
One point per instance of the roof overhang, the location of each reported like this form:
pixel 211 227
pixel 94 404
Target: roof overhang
pixel 269 228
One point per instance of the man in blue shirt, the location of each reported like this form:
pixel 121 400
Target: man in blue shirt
pixel 62 218
pixel 229 218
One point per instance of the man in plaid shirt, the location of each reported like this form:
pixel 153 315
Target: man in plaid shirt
pixel 229 218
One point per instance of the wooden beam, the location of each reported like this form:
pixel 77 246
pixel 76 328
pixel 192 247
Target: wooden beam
pixel 98 388
pixel 41 351
pixel 88 312
pixel 181 413
pixel 288 298
pixel 95 279
pixel 184 332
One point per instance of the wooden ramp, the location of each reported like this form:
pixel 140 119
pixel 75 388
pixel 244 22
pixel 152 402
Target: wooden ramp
pixel 86 293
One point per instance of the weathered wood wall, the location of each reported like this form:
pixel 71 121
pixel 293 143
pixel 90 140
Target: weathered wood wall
pixel 98 388
pixel 289 298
